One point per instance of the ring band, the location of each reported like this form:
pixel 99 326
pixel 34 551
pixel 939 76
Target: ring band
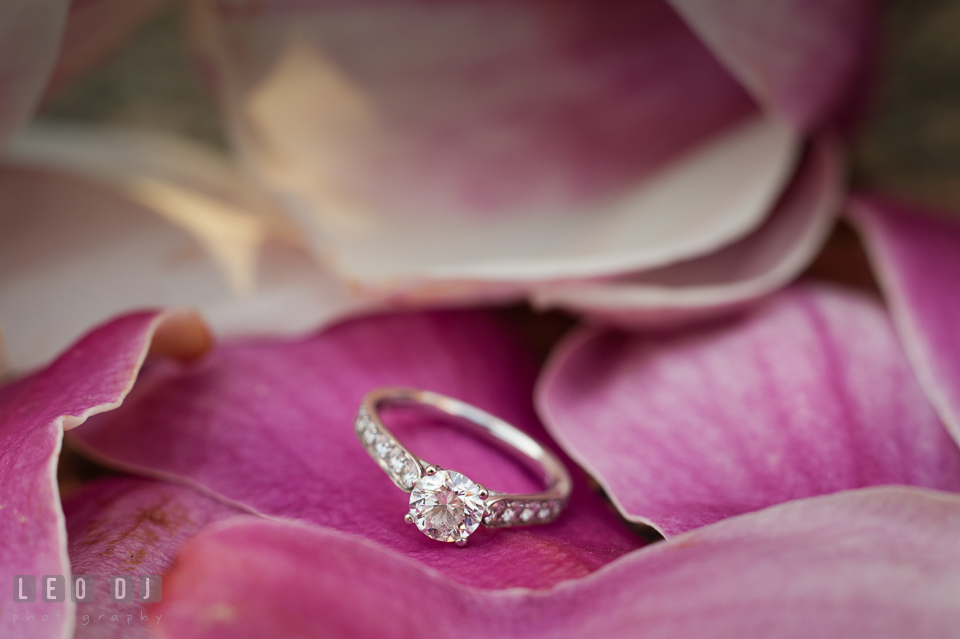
pixel 444 504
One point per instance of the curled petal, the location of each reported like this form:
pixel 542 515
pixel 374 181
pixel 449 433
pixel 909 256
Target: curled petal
pixel 30 32
pixel 466 107
pixel 126 526
pixel 268 425
pixel 810 394
pixel 155 222
pixel 93 376
pixel 916 257
pixel 802 60
pixel 510 142
pixel 877 564
pixel 724 281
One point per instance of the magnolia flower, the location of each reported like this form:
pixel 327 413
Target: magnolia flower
pixel 798 457
pixel 640 162
pixel 794 457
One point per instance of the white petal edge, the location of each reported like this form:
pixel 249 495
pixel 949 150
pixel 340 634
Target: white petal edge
pixel 153 221
pixel 764 261
pixel 706 200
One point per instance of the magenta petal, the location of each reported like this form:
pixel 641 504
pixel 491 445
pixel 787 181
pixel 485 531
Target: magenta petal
pixel 30 33
pixel 877 564
pixel 126 526
pixel 800 59
pixel 269 425
pixel 810 394
pixel 93 376
pixel 917 261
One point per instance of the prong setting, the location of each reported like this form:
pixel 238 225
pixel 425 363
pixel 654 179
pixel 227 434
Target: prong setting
pixel 431 470
pixel 460 543
pixel 483 493
pixel 408 518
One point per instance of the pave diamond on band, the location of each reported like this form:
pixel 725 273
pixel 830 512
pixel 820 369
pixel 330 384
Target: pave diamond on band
pixel 445 504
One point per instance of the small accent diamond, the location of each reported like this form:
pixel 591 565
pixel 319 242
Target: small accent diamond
pixel 527 513
pixel 409 474
pixel 494 511
pixel 384 447
pixel 396 460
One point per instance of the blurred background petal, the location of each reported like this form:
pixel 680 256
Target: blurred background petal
pixel 501 143
pixel 802 59
pixel 30 32
pixel 95 29
pixel 693 290
pixel 152 221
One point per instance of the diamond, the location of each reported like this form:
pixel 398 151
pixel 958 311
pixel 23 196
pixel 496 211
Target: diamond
pixel 446 506
pixel 396 460
pixel 409 474
pixel 384 447
pixel 509 514
pixel 529 512
pixel 494 511
pixel 370 434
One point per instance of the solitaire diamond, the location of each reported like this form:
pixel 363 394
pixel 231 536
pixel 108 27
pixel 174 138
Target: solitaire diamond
pixel 446 506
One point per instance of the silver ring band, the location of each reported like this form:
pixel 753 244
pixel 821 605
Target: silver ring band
pixel 471 502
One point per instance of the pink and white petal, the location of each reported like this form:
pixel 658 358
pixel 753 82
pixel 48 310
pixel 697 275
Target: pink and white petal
pixel 725 281
pixel 808 395
pixel 268 425
pixel 916 256
pixel 30 33
pixel 709 198
pixel 801 60
pixel 471 107
pixel 154 222
pixel 510 142
pixel 96 28
pixel 876 563
pixel 127 526
pixel 93 376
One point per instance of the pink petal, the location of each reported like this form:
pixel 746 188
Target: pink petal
pixel 503 143
pixel 268 424
pixel 877 564
pixel 176 226
pixel 30 32
pixel 467 106
pixel 917 261
pixel 809 395
pixel 96 28
pixel 93 376
pixel 125 526
pixel 800 59
pixel 718 283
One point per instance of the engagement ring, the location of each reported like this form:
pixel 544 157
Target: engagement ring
pixel 445 504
